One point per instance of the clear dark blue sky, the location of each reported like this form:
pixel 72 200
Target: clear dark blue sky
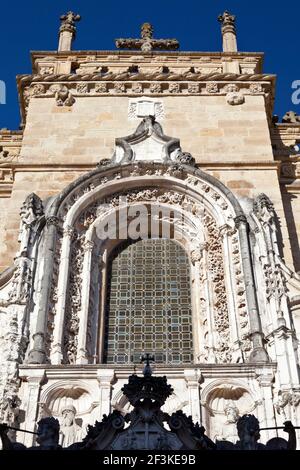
pixel 262 25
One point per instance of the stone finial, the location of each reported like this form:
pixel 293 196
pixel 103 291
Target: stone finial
pixel 67 30
pixel 147 43
pixel 228 32
pixel 147 31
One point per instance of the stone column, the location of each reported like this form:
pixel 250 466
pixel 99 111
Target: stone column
pixel 105 378
pixel 67 31
pixel 35 380
pixel 62 283
pixel 192 378
pixel 82 357
pixel 228 32
pixel 258 353
pixel 38 353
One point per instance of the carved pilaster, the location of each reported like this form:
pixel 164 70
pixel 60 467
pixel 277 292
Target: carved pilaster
pixel 105 379
pixel 193 378
pixel 265 379
pixel 35 380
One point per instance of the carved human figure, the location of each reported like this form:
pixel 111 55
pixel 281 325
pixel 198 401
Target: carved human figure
pixel 228 430
pixel 70 431
pixel 47 436
pixel 248 432
pixel 31 210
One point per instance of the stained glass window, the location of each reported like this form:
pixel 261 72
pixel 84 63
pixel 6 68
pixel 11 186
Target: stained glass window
pixel 149 304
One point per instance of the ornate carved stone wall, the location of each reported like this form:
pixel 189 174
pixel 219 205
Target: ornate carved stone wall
pixel 209 177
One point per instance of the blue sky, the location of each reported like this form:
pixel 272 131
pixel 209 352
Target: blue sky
pixel 264 26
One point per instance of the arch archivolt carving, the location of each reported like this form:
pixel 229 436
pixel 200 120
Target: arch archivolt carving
pixel 207 232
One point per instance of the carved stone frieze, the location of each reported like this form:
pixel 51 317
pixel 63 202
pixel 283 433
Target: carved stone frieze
pixel 212 88
pixel 74 301
pixel 222 349
pixel 13 344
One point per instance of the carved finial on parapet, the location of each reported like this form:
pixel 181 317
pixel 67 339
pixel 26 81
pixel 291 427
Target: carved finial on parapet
pixel 228 32
pixel 67 31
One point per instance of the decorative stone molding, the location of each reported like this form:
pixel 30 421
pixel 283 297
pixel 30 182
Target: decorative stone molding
pixel 132 84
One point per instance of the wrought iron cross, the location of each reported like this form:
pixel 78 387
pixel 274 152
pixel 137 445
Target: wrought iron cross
pixel 146 358
pixel 147 42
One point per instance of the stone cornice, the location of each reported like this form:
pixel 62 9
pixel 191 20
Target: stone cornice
pixel 205 164
pixel 151 83
pixel 139 76
pixel 147 55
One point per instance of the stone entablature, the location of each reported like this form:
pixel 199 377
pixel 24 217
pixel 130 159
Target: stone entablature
pixel 64 88
pixel 81 62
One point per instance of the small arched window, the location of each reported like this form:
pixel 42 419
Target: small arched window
pixel 148 306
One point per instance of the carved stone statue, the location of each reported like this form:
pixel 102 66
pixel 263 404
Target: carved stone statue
pixel 31 210
pixel 70 431
pixel 228 430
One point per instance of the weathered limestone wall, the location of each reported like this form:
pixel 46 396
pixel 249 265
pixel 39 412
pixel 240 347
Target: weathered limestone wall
pixel 61 143
pixel 208 127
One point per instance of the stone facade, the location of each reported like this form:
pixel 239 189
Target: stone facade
pixel 227 168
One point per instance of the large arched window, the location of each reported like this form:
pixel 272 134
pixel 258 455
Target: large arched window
pixel 148 305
